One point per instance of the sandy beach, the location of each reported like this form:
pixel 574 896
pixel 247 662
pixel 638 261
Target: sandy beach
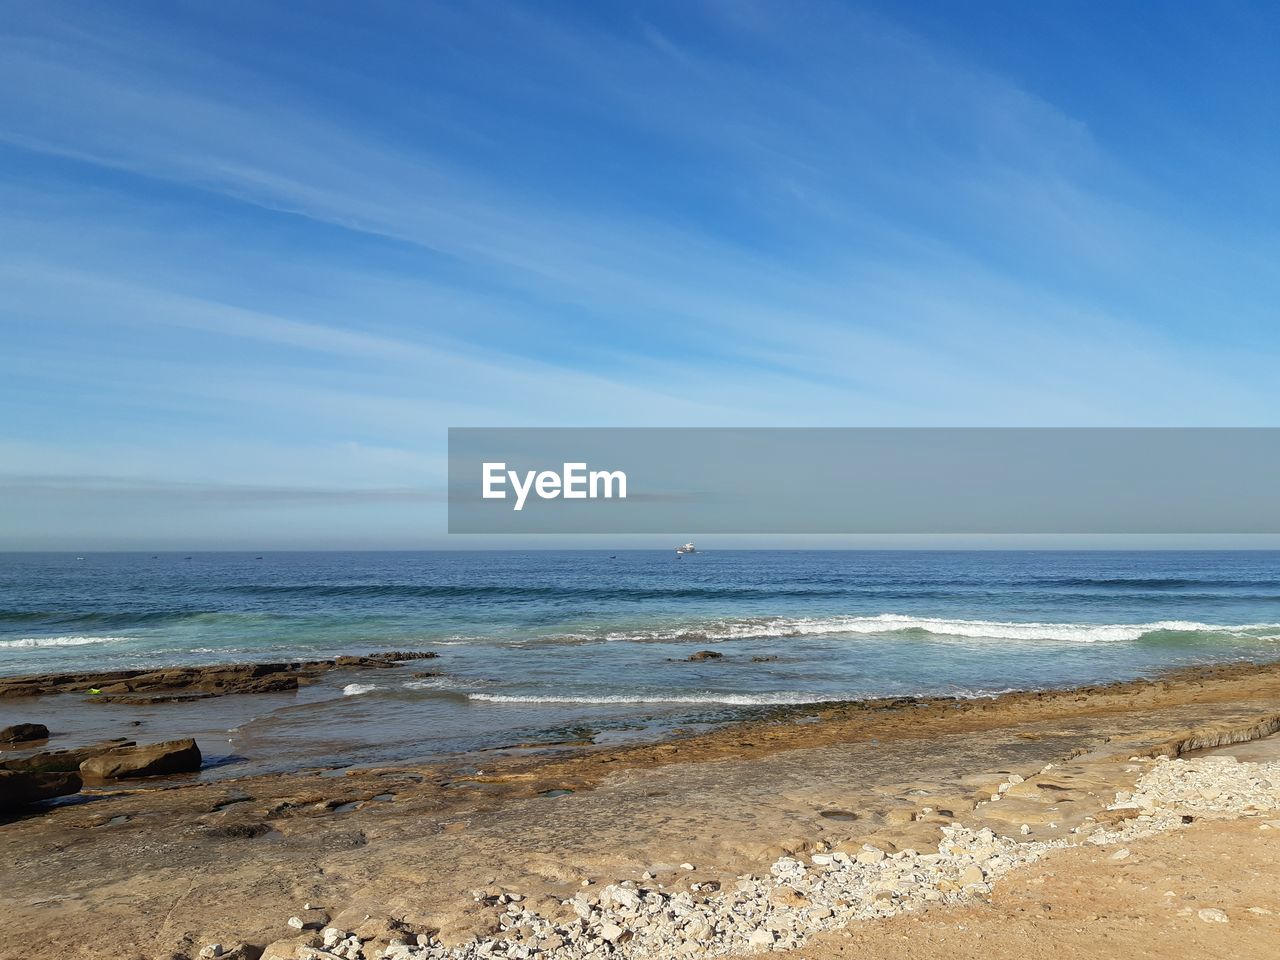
pixel 815 830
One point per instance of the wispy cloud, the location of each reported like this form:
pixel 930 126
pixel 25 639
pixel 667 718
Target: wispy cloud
pixel 216 246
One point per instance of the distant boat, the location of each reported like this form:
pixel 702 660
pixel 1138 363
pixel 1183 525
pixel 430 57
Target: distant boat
pixel 687 548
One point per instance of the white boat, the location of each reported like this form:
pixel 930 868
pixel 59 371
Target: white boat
pixel 687 548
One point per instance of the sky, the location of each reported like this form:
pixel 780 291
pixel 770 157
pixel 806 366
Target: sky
pixel 257 257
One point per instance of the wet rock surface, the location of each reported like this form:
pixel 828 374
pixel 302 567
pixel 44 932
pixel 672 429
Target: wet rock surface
pixel 24 733
pixel 177 684
pixel 150 760
pixel 19 789
pixel 50 761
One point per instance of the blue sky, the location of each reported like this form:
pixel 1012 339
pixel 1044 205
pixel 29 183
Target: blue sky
pixel 257 257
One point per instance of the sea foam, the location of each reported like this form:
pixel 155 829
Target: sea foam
pixel 888 623
pixel 61 641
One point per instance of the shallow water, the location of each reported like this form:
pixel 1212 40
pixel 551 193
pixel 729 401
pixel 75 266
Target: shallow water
pixel 545 647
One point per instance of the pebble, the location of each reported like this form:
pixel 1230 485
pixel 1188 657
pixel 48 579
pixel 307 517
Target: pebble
pixel 212 950
pixel 795 899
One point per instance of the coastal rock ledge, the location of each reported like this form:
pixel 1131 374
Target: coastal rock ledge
pixel 19 789
pixel 24 733
pixel 150 760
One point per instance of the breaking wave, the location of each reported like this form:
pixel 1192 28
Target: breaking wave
pixel 784 698
pixel 889 623
pixel 60 641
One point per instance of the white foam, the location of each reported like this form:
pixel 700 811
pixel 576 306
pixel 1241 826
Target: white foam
pixel 939 626
pixel 61 641
pixel 732 699
pixel 355 689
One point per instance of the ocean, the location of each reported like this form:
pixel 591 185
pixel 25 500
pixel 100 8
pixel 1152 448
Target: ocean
pixel 542 647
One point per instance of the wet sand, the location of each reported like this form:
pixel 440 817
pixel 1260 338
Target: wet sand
pixel 159 873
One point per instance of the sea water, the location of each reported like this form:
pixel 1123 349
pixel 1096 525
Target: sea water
pixel 542 647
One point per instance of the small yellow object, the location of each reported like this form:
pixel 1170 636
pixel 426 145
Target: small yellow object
pixel 94 690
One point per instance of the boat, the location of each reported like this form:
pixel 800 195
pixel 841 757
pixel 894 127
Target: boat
pixel 687 548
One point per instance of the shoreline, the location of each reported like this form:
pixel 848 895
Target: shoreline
pixel 244 685
pixel 416 839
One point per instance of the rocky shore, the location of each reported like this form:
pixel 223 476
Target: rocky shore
pixel 771 835
pixel 802 897
pixel 177 684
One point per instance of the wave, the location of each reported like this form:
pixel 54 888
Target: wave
pixel 385 591
pixel 890 623
pixel 784 698
pixel 776 699
pixel 355 689
pixel 26 642
pixel 135 618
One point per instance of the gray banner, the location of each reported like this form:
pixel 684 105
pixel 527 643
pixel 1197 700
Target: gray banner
pixel 864 480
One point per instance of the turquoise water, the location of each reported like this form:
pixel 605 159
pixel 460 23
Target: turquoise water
pixel 545 645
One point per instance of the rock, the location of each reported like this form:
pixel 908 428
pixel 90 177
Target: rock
pixel 705 655
pixel 211 951
pixel 610 932
pixel 19 789
pixel 1212 915
pixel 869 855
pixel 971 874
pixel 285 949
pixel 1117 815
pixel 150 760
pixel 62 761
pixel 1121 854
pixel 143 686
pixel 311 919
pixel 760 938
pixel 787 896
pixel 24 733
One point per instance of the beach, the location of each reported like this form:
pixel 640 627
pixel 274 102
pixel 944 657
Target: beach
pixel 798 828
pixel 576 754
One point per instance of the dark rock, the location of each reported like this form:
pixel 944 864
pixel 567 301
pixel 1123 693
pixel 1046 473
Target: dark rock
pixel 62 761
pixel 149 760
pixel 19 789
pixel 769 659
pixel 195 683
pixel 245 830
pixel 705 655
pixel 23 732
pixel 17 689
